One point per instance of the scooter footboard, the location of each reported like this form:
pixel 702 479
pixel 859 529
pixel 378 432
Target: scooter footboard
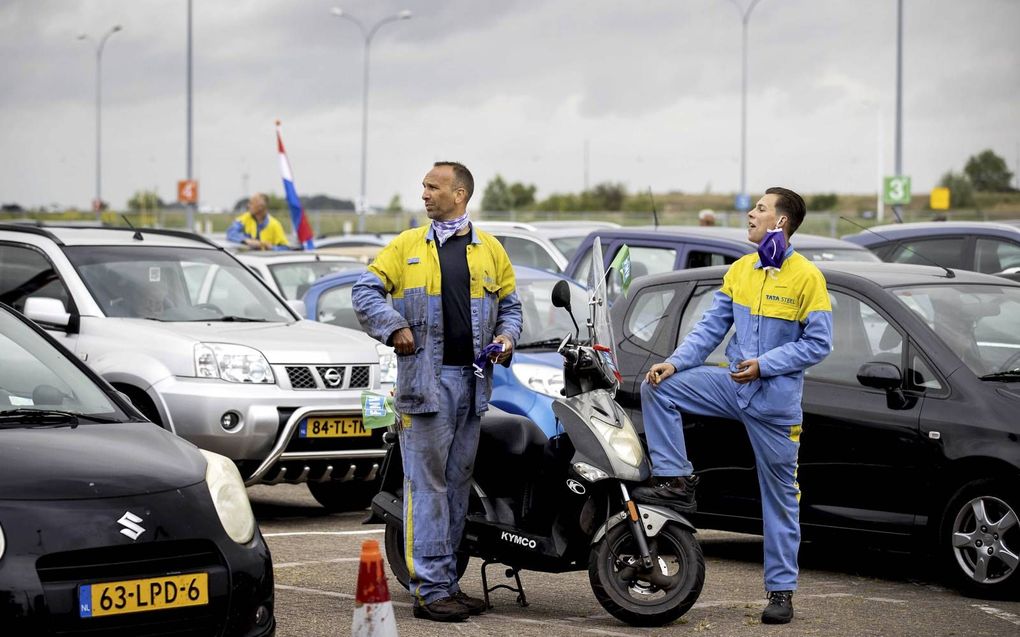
pixel 388 509
pixel 653 518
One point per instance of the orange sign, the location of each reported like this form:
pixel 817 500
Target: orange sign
pixel 187 191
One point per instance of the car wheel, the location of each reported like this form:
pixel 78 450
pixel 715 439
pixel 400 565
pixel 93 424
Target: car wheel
pixel 344 496
pixel 979 540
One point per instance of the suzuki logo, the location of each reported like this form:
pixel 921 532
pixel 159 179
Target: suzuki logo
pixel 332 377
pixel 576 487
pixel 130 523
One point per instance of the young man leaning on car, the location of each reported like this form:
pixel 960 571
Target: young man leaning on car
pixel 778 304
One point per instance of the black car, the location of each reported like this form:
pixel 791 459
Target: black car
pixel 910 431
pixel 110 525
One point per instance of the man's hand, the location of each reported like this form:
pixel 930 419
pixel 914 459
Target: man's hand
pixel 746 371
pixel 508 348
pixel 403 341
pixel 254 244
pixel 659 372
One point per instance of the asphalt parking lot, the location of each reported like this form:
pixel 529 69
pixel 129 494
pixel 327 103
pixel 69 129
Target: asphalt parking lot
pixel 843 591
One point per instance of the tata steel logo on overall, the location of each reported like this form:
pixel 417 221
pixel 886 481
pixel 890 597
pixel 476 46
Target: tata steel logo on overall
pixel 332 377
pixel 520 540
pixel 131 525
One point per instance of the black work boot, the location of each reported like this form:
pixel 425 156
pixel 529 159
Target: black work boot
pixel 780 608
pixel 447 609
pixel 676 493
pixel 474 605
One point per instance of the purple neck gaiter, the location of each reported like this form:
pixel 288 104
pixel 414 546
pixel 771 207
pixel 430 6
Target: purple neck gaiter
pixel 772 249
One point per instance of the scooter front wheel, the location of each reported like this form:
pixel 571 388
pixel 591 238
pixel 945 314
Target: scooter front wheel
pixel 398 564
pixel 647 597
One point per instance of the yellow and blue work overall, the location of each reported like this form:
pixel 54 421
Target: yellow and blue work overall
pixel 784 320
pixel 270 230
pixel 441 405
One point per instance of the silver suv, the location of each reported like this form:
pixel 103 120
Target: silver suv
pixel 202 347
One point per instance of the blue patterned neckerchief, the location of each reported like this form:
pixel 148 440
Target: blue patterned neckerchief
pixel 446 229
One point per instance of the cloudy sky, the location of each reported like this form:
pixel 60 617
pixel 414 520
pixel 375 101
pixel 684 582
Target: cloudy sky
pixel 515 87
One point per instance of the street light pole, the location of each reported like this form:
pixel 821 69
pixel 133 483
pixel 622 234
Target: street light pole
pixel 97 204
pixel 367 35
pixel 897 208
pixel 745 17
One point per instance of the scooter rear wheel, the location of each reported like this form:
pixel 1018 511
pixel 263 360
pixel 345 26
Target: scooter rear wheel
pixel 630 595
pixel 395 556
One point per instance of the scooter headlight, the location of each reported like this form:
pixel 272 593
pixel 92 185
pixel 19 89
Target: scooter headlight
pixel 541 378
pixel 229 497
pixel 623 440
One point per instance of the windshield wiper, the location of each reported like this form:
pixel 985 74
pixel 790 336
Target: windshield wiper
pixel 549 342
pixel 1009 374
pixel 27 415
pixel 230 318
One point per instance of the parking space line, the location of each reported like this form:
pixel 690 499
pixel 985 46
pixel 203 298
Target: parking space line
pixel 292 533
pixel 314 562
pixel 996 612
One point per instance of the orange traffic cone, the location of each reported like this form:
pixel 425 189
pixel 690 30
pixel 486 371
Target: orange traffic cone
pixel 373 611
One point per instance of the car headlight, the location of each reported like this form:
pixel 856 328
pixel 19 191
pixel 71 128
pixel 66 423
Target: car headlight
pixel 387 364
pixel 3 543
pixel 623 440
pixel 229 497
pixel 234 363
pixel 541 378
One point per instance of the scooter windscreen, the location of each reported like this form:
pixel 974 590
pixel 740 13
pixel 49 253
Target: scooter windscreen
pixel 600 327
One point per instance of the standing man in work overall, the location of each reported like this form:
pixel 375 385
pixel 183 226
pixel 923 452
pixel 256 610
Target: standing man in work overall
pixel 256 228
pixel 454 294
pixel 777 302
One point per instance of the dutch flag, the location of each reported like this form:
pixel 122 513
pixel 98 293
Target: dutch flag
pixel 297 212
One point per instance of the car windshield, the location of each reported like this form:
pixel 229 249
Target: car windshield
pixel 37 379
pixel 978 322
pixel 544 323
pixel 294 278
pixel 568 245
pixel 839 254
pixel 174 284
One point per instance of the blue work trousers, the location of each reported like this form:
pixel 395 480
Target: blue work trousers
pixel 439 456
pixel 709 391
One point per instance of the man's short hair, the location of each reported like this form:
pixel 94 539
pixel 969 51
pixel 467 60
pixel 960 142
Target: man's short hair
pixel 461 176
pixel 790 204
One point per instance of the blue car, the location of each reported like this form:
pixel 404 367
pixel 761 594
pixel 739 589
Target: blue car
pixel 991 248
pixel 535 376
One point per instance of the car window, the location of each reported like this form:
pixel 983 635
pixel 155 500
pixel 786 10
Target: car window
pixel 336 307
pixel 992 255
pixel 568 245
pixel 839 254
pixel 584 267
pixel 154 283
pixel 978 322
pixel 294 279
pixel 25 273
pixel 529 253
pixel 860 334
pixel 543 322
pixel 944 252
pixel 700 259
pixel 644 260
pixel 921 375
pixel 648 312
pixel 700 303
pixel 34 374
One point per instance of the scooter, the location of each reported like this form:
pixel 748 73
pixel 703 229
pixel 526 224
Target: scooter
pixel 562 504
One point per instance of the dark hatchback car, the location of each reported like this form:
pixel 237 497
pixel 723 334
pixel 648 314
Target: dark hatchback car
pixel 110 525
pixel 910 432
pixel 968 245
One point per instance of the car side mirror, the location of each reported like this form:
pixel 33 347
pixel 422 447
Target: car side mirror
pixel 887 377
pixel 298 306
pixel 47 311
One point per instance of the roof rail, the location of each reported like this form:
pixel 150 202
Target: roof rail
pixel 42 231
pixel 31 229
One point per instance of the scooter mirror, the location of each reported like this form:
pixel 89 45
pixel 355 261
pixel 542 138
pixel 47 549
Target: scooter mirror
pixel 561 294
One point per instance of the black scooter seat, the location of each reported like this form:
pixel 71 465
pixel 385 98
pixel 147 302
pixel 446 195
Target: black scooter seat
pixel 511 434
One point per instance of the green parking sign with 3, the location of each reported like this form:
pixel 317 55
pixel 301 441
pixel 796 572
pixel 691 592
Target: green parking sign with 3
pixel 897 190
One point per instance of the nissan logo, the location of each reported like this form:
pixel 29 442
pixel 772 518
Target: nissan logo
pixel 332 377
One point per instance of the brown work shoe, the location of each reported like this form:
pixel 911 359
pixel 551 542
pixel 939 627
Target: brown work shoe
pixel 474 605
pixel 446 609
pixel 674 492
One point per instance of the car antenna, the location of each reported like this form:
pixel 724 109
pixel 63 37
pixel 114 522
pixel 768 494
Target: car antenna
pixel 655 213
pixel 949 273
pixel 138 233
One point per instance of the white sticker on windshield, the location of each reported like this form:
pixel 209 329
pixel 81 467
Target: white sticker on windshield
pixel 154 274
